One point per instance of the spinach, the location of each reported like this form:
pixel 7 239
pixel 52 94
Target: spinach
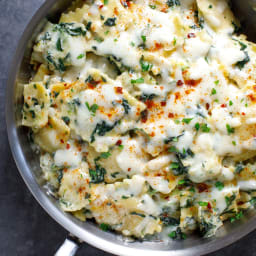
pixel 101 129
pixel 69 29
pixel 167 219
pixel 105 155
pixel 240 167
pixel 173 139
pixel 97 175
pixel 178 168
pixel 145 97
pixel 241 64
pixel 229 200
pixel 138 214
pixel 66 119
pixel 110 22
pixel 59 65
pixel 126 106
pixel 59 45
pixel 88 25
pixel 237 29
pixel 206 227
pixel 172 3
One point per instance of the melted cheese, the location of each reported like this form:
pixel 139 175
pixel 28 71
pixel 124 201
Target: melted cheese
pixel 144 112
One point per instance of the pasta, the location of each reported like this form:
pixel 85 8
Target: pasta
pixel 144 113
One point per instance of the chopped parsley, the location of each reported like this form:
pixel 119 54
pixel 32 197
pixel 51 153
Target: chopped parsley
pixel 203 204
pixel 219 185
pixel 144 38
pixel 145 66
pixel 213 92
pixel 82 55
pixel 238 216
pixel 230 130
pixel 93 108
pixel 105 227
pixel 137 81
pixel 152 6
pixel 205 128
pixel 197 126
pixel 187 120
pixel 177 235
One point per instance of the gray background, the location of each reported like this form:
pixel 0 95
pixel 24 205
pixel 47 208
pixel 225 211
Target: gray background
pixel 25 229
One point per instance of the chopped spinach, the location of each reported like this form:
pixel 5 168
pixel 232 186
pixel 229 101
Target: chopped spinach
pixel 239 168
pixel 59 45
pixel 145 97
pixel 241 64
pixel 110 22
pixel 97 175
pixel 126 106
pixel 168 220
pixel 66 119
pixel 101 129
pixel 172 139
pixel 70 29
pixel 138 214
pixel 172 3
pixel 205 228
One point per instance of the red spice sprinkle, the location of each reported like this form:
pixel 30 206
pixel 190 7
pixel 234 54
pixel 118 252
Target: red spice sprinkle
pixel 207 106
pixel 202 187
pixel 101 6
pixel 171 115
pixel 119 90
pixel 68 146
pixel 192 82
pixel 243 113
pixel 240 203
pixel 180 83
pixel 119 142
pixel 209 206
pixel 62 141
pixel 129 169
pixel 144 116
pixel 163 103
pixel 223 105
pixel 191 35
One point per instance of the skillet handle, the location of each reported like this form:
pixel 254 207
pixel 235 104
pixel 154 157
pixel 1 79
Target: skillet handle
pixel 69 246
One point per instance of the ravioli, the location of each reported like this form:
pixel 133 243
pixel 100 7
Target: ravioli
pixel 144 113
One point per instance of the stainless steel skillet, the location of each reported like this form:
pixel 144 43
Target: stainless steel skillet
pixel 28 165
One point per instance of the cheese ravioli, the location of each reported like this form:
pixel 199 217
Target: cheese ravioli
pixel 144 113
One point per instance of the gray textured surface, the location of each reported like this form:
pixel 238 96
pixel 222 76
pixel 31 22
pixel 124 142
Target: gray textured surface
pixel 25 229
